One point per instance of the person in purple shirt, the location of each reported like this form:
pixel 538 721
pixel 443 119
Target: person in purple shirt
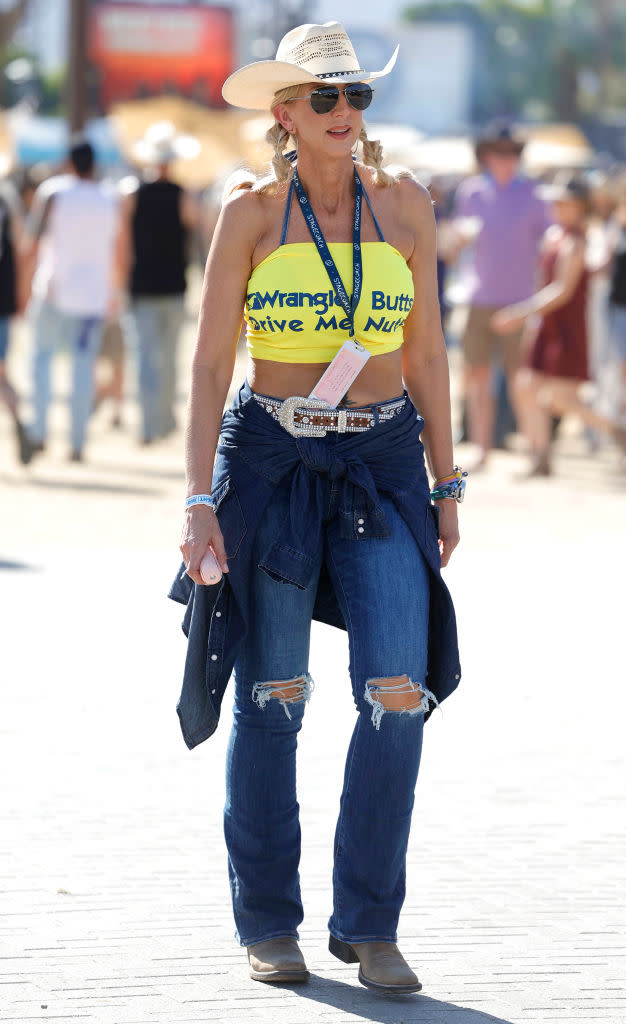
pixel 499 214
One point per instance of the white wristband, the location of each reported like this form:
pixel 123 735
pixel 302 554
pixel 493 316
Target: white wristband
pixel 199 499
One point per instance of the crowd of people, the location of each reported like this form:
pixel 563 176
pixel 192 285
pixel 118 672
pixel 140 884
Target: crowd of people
pixel 99 270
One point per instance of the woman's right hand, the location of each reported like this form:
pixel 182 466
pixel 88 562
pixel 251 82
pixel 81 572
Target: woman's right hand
pixel 201 530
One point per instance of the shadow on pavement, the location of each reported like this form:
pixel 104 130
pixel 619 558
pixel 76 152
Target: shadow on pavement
pixel 408 1009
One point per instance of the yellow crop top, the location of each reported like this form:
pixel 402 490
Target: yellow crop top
pixel 293 315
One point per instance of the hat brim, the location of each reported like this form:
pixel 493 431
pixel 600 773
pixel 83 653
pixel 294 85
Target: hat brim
pixel 555 193
pixel 254 86
pixel 515 147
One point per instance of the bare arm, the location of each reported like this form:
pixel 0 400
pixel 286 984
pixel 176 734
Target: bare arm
pixel 569 269
pixel 424 357
pixel 223 296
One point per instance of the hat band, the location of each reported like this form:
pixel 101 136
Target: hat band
pixel 340 74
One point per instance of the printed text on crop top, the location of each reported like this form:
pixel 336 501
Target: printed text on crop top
pixel 293 315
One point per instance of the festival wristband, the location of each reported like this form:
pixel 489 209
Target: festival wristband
pixel 457 474
pixel 452 488
pixel 199 499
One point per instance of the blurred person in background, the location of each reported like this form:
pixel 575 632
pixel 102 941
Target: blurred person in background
pixel 75 243
pixel 556 362
pixel 158 214
pixel 112 359
pixel 11 225
pixel 600 237
pixel 617 293
pixel 500 215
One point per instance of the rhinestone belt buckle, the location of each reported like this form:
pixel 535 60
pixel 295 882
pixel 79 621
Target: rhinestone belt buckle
pixel 287 412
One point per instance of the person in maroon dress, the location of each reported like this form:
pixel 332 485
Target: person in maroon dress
pixel 555 363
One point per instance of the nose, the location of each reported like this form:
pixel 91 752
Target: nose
pixel 342 104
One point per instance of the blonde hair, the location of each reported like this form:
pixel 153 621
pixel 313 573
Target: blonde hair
pixel 280 140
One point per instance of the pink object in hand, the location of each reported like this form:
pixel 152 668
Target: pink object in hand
pixel 210 568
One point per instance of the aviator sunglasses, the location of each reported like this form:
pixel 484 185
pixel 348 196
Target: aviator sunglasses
pixel 325 97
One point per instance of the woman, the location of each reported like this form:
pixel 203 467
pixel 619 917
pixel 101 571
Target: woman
pixel 317 511
pixel 617 294
pixel 556 363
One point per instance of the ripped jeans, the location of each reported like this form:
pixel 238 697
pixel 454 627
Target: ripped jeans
pixel 383 590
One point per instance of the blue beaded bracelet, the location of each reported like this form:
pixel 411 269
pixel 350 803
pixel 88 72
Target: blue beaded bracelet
pixel 199 499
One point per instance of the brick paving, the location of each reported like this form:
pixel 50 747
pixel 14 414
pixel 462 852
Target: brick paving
pixel 112 865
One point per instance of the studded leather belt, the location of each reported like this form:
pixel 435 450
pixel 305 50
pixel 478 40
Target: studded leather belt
pixel 310 417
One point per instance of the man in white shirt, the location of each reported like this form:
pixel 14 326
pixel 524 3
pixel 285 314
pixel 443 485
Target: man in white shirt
pixel 76 240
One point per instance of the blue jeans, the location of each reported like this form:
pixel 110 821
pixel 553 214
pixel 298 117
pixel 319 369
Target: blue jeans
pixel 155 323
pixel 383 589
pixel 52 330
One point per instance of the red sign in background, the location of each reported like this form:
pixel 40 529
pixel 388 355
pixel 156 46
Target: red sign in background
pixel 147 49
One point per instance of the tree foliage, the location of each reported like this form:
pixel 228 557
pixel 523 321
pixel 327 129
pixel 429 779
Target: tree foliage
pixel 556 58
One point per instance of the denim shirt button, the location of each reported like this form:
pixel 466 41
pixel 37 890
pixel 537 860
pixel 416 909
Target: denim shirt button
pixel 218 615
pixel 457 676
pixel 214 657
pixel 361 522
pixel 361 529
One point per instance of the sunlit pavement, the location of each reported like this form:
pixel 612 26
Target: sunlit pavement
pixel 115 904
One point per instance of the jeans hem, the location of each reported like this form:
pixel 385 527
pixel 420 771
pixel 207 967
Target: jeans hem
pixel 265 938
pixel 342 937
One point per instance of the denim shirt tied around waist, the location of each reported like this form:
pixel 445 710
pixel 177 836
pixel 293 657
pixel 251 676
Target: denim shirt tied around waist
pixel 255 455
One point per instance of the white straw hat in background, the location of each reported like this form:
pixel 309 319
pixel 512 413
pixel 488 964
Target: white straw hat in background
pixel 162 143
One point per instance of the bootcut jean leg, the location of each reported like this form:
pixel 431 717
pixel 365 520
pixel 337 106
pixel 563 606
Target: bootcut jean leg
pixel 261 816
pixel 383 590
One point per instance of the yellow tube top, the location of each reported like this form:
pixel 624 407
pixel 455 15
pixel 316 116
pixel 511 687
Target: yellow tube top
pixel 294 316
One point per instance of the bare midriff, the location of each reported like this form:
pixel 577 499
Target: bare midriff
pixel 379 381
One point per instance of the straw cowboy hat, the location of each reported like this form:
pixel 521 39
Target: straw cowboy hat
pixel 162 143
pixel 317 54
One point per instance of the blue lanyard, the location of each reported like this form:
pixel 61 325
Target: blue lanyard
pixel 324 251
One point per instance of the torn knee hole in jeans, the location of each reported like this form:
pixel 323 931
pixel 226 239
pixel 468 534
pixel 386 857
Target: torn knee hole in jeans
pixel 285 691
pixel 397 694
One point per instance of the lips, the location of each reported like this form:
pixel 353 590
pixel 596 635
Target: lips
pixel 339 133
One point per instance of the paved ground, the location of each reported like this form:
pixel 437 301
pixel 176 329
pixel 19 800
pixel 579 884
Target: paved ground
pixel 112 866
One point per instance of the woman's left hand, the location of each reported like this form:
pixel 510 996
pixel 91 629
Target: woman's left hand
pixel 448 528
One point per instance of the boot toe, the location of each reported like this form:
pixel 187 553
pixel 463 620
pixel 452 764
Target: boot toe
pixel 383 968
pixel 277 960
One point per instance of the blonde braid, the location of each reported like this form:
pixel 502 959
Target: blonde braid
pixel 373 157
pixel 278 137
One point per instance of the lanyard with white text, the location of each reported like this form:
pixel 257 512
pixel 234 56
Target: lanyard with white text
pixel 324 251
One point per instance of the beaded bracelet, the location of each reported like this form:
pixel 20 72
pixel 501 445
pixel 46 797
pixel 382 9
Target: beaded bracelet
pixel 199 499
pixel 450 487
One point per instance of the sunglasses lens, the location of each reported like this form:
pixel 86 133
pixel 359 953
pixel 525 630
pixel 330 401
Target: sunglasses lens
pixel 359 95
pixel 324 99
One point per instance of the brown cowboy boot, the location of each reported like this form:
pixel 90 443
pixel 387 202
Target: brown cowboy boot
pixel 382 966
pixel 277 960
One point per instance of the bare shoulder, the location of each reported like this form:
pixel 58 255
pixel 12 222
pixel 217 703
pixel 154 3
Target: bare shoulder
pixel 413 199
pixel 243 218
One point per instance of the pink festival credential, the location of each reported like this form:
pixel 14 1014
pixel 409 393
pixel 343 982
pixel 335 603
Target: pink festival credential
pixel 341 374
